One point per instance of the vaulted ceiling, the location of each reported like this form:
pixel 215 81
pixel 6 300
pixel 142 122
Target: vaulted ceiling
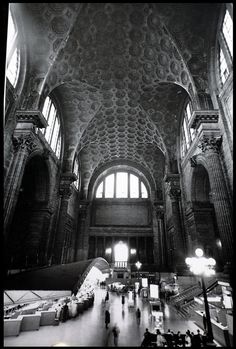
pixel 120 73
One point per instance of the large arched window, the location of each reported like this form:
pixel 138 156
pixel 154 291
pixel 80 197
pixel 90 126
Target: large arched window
pixel 52 132
pixel 225 47
pixel 187 133
pixel 13 52
pixel 121 185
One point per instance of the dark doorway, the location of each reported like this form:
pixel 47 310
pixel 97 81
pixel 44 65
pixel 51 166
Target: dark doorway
pixel 27 237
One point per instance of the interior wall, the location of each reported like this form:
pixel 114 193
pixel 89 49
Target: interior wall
pixel 116 212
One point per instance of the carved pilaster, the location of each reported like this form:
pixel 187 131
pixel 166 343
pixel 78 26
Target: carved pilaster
pixel 83 208
pixel 179 242
pixel 65 191
pixel 83 238
pixel 210 144
pixel 159 210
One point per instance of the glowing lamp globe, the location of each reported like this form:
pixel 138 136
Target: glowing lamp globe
pixel 199 252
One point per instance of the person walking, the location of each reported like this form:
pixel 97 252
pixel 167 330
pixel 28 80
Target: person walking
pixel 107 318
pixel 204 320
pixel 123 299
pixel 65 313
pixel 138 316
pixel 107 296
pixel 160 339
pixel 116 332
pixel 198 339
pixel 147 339
pixel 169 338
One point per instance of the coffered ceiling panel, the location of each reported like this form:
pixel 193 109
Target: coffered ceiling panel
pixel 120 73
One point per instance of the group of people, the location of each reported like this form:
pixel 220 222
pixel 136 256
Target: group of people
pixel 172 340
pixel 158 339
pixel 67 308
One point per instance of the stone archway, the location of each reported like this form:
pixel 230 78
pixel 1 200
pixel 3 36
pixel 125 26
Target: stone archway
pixel 201 217
pixel 27 238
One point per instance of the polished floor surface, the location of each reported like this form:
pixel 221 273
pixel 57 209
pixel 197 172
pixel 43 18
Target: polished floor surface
pixel 88 329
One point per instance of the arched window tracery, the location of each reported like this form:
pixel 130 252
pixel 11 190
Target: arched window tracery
pixel 121 185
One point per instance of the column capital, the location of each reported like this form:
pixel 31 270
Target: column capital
pixel 65 188
pixel 174 193
pixel 173 181
pixel 210 143
pixel 68 177
pixel 159 209
pixel 172 178
pixel 83 204
pixel 203 116
pixel 25 141
pixel 34 117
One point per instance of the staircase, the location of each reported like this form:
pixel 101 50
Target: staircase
pixel 185 296
pixel 184 302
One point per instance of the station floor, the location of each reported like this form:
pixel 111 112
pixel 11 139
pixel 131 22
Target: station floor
pixel 88 329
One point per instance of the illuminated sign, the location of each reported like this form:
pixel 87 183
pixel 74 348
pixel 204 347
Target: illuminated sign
pixel 154 291
pixel 144 282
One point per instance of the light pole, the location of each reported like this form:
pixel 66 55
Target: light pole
pixel 138 266
pixel 203 267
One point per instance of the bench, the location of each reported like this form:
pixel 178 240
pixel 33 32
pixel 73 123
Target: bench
pixel 12 326
pixel 47 317
pixel 30 322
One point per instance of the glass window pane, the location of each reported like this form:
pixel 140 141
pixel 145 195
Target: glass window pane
pixel 46 108
pixel 183 143
pixel 121 252
pixel 192 133
pixel 224 72
pixel 51 119
pixel 186 134
pixel 58 149
pixel 13 68
pixel 99 190
pixel 228 31
pixel 134 186
pixel 188 111
pixel 55 135
pixel 122 185
pixel 11 33
pixel 76 167
pixel 109 186
pixel 76 172
pixel 144 193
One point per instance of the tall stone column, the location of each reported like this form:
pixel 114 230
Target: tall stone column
pixel 83 240
pixel 210 147
pixel 179 242
pixel 24 142
pixel 157 234
pixel 163 245
pixel 65 191
pixel 210 140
